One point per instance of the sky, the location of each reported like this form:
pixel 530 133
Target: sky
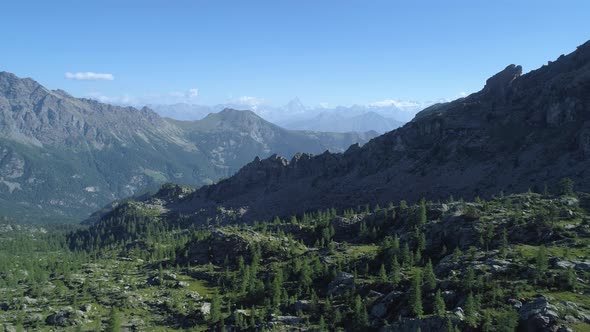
pixel 324 52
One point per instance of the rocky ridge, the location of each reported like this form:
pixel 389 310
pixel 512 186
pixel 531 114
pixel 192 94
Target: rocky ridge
pixel 519 132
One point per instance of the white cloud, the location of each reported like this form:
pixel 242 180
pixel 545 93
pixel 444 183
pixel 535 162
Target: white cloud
pixel 171 97
pixel 192 93
pixel 248 100
pixel 395 103
pixel 324 105
pixel 462 94
pixel 120 100
pixel 89 76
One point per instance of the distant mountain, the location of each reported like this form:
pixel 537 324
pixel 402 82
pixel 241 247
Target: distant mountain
pixel 63 157
pixel 380 117
pixel 182 111
pixel 342 123
pixel 519 132
pixel 235 135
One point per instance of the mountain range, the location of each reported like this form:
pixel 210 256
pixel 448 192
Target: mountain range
pixel 519 133
pixel 63 157
pixel 380 117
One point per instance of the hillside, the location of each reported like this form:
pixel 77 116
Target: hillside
pixel 488 265
pixel 62 158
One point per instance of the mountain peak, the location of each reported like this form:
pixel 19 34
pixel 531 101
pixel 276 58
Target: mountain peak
pixel 21 85
pixel 233 115
pixel 295 106
pixel 497 85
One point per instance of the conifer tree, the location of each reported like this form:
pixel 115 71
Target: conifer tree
pixel 114 322
pixel 471 311
pixel 541 262
pixel 395 272
pixel 416 295
pixel 429 276
pixel 439 305
pixel 215 312
pixel 382 273
pixel 422 218
pixel 503 243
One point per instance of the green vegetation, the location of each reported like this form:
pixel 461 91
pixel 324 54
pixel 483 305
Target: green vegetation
pixel 359 269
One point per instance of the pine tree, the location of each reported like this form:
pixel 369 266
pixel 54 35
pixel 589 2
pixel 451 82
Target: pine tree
pixel 429 276
pixel 395 245
pixel 566 186
pixel 450 326
pixel 439 305
pixel 486 324
pixel 406 255
pixel 469 281
pixel 360 313
pixel 114 322
pixel 322 324
pixel 541 262
pixel 276 287
pixel 506 321
pixel 382 273
pixel 395 272
pixel 457 255
pixel 416 295
pixel 215 312
pixel 571 279
pixel 471 311
pixel 422 218
pixel 503 243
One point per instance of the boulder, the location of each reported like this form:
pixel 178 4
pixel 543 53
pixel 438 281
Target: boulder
pixel 302 305
pixel 220 244
pixel 561 264
pixel 342 282
pixel 182 284
pixel 287 320
pixel 538 315
pixel 459 313
pixel 379 310
pixel 62 318
pixel 205 308
pixel 428 324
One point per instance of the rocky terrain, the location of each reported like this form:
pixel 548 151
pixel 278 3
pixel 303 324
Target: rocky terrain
pixel 63 157
pixel 519 132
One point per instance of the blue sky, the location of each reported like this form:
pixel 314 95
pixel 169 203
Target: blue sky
pixel 335 52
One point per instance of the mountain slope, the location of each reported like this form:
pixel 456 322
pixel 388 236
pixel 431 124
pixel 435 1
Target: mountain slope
pixel 236 135
pixel 62 157
pixel 518 132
